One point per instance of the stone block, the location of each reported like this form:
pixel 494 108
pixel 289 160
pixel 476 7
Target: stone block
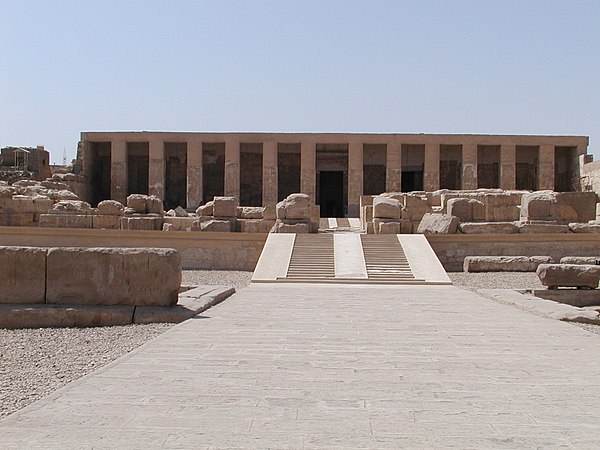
pixel 504 263
pixel 137 202
pixel 434 223
pixel 109 222
pixel 216 225
pixel 111 208
pixel 225 207
pixel 461 208
pixel 387 208
pixel 179 223
pixel 389 228
pixel 270 212
pixel 66 221
pixel 17 219
pixel 573 297
pixel 180 212
pixel 250 212
pixel 148 223
pixel 584 227
pixel 55 316
pixel 569 275
pixel 590 260
pixel 290 226
pixel 541 228
pixel 59 195
pixel 22 274
pixel 488 228
pixel 76 207
pixel 538 205
pixel 205 210
pixel 294 207
pixel 188 306
pixel 113 276
pixel 154 205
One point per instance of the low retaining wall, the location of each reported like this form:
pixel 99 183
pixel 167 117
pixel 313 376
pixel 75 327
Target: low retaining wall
pixel 452 249
pixel 207 250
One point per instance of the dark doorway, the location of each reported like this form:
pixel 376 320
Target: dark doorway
pixel 412 180
pixel 331 193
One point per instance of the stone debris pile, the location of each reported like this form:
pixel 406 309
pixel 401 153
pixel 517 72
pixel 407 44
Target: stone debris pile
pixel 481 211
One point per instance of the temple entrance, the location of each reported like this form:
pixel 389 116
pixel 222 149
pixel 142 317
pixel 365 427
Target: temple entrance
pixel 331 193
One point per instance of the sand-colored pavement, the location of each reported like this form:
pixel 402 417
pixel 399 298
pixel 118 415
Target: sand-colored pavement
pixel 323 366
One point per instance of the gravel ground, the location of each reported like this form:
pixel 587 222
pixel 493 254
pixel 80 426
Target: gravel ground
pixel 495 280
pixel 237 279
pixel 36 362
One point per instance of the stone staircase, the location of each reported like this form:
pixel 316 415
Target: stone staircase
pixel 348 258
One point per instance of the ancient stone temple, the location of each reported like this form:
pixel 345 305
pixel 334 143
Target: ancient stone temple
pixel 334 169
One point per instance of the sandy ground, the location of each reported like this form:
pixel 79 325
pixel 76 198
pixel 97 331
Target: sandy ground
pixel 36 362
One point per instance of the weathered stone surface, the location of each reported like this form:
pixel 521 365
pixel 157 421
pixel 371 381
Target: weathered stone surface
pixel 46 316
pixel 188 306
pixel 180 212
pixel 270 212
pixel 564 207
pixel 22 274
pixel 225 207
pixel 389 227
pixel 216 225
pixel 504 263
pixel 488 228
pixel 591 260
pixel 179 223
pixel 7 192
pixel 141 223
pixel 290 227
pixel 386 208
pixel 111 208
pixel 466 209
pixel 206 209
pixel 250 212
pixel 584 227
pixel 295 206
pixel 71 207
pixel 49 184
pixel 540 228
pixel 569 275
pixel 574 297
pixel 154 205
pixel 113 276
pixel 433 223
pixel 137 202
pixel 66 221
pixel 105 222
pixel 59 195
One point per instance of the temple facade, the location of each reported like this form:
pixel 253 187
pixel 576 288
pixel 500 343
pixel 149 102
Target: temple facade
pixel 334 169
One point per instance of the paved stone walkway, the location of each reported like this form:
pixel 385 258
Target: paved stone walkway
pixel 336 366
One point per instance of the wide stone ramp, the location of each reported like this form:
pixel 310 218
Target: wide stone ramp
pixel 349 258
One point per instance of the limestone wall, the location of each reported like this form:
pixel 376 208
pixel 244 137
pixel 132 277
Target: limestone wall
pixel 220 251
pixel 590 177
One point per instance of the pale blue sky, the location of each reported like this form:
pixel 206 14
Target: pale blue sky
pixel 513 67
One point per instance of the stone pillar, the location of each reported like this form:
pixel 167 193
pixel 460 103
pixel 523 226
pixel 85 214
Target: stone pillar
pixel 431 175
pixel 308 170
pixel 355 178
pixel 118 171
pixel 469 166
pixel 156 168
pixel 508 165
pixel 393 177
pixel 194 173
pixel 269 187
pixel 546 167
pixel 232 169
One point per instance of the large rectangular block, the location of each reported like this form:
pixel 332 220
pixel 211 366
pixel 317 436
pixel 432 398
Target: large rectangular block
pixel 22 274
pixel 65 221
pixel 45 316
pixel 152 223
pixel 113 276
pixel 106 222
